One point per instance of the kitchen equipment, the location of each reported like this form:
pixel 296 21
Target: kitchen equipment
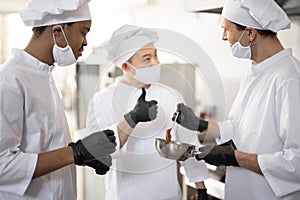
pixel 175 150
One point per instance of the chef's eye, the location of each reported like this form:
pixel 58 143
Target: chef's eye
pixel 147 59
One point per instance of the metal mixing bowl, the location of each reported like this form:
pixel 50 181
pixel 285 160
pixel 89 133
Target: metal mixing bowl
pixel 174 150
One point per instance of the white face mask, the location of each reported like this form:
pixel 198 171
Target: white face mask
pixel 240 51
pixel 63 56
pixel 147 75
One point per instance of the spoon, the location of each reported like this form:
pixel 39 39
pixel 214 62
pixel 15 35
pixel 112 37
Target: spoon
pixel 168 132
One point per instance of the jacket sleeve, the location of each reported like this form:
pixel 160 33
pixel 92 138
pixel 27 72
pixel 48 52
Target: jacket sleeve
pixel 226 131
pixel 99 117
pixel 97 109
pixel 16 167
pixel 281 168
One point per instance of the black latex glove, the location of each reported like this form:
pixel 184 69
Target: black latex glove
pixel 202 194
pixel 188 119
pixel 222 154
pixel 142 112
pixel 94 150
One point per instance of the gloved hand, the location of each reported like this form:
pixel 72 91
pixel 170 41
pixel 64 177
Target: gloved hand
pixel 202 194
pixel 94 150
pixel 142 112
pixel 222 154
pixel 188 119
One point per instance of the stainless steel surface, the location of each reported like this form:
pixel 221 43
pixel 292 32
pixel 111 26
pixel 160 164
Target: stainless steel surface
pixel 175 150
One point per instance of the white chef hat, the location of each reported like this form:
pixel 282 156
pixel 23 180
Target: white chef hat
pixel 126 41
pixel 258 14
pixel 48 12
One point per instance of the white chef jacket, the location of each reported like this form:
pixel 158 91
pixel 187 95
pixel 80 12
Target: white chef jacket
pixel 264 120
pixel 138 172
pixel 32 120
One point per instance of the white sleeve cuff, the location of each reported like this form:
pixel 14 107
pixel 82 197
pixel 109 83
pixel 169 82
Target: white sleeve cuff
pixel 280 180
pixel 17 178
pixel 226 131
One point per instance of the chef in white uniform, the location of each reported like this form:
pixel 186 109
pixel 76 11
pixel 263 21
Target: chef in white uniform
pixel 263 122
pixel 138 172
pixel 36 162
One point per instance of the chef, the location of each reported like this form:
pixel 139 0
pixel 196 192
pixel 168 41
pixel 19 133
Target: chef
pixel 260 139
pixel 37 155
pixel 138 172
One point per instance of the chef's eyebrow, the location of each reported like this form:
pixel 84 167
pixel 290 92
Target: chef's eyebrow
pixel 148 54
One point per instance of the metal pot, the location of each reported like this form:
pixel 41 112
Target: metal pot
pixel 175 150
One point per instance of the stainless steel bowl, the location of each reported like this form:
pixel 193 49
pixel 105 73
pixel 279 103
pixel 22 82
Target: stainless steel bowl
pixel 175 150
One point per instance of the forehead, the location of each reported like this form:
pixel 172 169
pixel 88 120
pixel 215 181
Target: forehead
pixel 83 24
pixel 147 49
pixel 227 24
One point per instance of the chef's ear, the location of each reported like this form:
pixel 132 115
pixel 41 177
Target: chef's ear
pixel 251 33
pixel 56 29
pixel 125 67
